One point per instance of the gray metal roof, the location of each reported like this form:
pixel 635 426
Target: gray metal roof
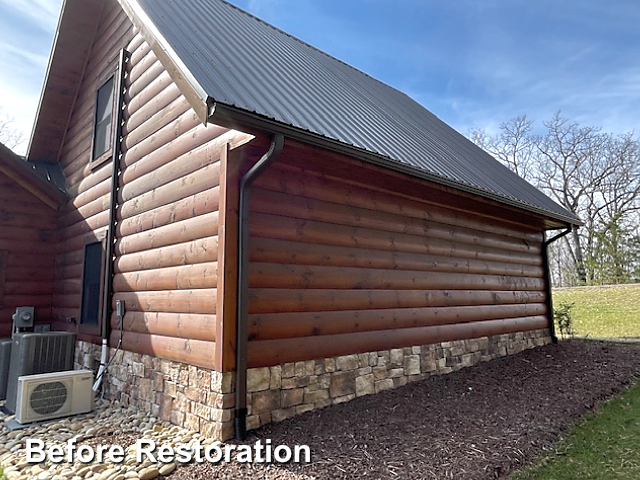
pixel 50 173
pixel 44 177
pixel 233 59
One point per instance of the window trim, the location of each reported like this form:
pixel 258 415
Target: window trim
pixel 101 238
pixel 3 274
pixel 107 155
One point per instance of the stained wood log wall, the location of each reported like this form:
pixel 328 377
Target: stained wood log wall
pixel 346 259
pixel 27 247
pixel 166 248
pixel 86 214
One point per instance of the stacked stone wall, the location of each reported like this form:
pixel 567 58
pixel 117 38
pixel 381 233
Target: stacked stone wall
pixel 202 400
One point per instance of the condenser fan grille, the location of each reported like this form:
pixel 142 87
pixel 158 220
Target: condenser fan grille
pixel 48 397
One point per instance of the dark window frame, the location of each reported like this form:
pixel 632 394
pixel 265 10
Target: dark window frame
pixel 103 157
pixel 4 255
pixel 93 329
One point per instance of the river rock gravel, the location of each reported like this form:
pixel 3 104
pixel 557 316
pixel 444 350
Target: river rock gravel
pixel 109 424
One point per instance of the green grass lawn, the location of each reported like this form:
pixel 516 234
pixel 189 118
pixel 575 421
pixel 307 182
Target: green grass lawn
pixel 605 446
pixel 604 311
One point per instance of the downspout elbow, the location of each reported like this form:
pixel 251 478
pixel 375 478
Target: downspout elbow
pixel 553 239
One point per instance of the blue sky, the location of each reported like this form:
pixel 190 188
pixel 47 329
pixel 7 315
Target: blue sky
pixel 474 63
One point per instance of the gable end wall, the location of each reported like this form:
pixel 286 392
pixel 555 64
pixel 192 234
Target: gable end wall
pixel 166 249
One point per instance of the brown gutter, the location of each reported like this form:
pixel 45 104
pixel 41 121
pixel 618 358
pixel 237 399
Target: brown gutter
pixel 254 123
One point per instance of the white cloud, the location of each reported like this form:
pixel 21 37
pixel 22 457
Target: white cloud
pixel 40 13
pixel 21 106
pixel 20 91
pixel 609 101
pixel 26 31
pixel 17 56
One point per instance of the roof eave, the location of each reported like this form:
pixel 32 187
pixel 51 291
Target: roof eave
pixel 70 47
pixel 228 116
pixel 179 73
pixel 18 170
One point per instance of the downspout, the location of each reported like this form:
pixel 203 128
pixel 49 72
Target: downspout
pixel 116 149
pixel 246 181
pixel 547 279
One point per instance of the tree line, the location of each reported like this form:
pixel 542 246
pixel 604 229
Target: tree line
pixel 591 173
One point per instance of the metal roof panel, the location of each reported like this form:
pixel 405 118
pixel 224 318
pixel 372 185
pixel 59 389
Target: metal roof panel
pixel 242 62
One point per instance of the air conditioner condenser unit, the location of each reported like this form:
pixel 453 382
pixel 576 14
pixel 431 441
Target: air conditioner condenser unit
pixel 34 353
pixel 53 395
pixel 5 361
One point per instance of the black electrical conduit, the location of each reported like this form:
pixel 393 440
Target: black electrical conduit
pixel 547 279
pixel 254 172
pixel 116 151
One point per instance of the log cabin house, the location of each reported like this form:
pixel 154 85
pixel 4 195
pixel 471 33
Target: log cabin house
pixel 282 231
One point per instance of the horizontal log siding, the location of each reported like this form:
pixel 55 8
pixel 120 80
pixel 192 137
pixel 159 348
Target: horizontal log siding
pixel 166 235
pixel 27 233
pixel 166 255
pixel 338 267
pixel 86 213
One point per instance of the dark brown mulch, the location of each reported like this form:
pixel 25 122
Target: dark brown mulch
pixel 479 423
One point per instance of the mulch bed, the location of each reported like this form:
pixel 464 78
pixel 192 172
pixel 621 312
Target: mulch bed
pixel 479 423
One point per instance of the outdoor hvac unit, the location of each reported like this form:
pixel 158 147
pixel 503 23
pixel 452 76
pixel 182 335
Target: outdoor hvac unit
pixel 54 395
pixel 33 353
pixel 5 359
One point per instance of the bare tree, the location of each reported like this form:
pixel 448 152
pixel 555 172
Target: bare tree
pixel 570 170
pixel 514 145
pixel 10 136
pixel 619 191
pixel 612 212
pixel 594 175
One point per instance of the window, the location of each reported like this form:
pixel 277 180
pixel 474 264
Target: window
pixel 92 285
pixel 103 122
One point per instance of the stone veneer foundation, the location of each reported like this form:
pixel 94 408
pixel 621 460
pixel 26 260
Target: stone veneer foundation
pixel 202 400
